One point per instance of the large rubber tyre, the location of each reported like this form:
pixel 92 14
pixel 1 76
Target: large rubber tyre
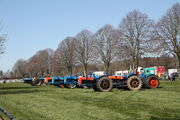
pixel 152 82
pixel 134 83
pixel 71 86
pixel 104 84
pixel 36 82
pixel 95 88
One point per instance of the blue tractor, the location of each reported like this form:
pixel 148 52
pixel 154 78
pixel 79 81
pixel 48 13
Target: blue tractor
pixel 105 83
pixel 67 81
pixel 34 81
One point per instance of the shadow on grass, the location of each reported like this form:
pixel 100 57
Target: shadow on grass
pixel 19 92
pixel 10 88
pixel 145 88
pixel 160 87
pixel 156 118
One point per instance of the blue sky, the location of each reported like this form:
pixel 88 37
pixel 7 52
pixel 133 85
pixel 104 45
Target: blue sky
pixel 33 25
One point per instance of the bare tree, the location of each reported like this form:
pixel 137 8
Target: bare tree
pixel 50 60
pixel 19 68
pixel 33 66
pixel 66 52
pixel 135 31
pixel 58 66
pixel 2 42
pixel 41 62
pixel 84 48
pixel 168 31
pixel 1 74
pixel 106 45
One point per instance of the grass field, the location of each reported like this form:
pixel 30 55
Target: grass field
pixel 25 102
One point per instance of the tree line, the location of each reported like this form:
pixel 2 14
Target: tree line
pixel 138 41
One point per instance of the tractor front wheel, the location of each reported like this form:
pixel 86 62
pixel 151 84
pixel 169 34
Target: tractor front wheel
pixel 152 82
pixel 70 86
pixel 36 82
pixel 134 83
pixel 95 88
pixel 104 84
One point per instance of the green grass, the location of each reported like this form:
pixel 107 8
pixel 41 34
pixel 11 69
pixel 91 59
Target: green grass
pixel 25 102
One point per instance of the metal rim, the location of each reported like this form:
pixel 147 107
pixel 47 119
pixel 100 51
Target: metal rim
pixel 153 83
pixel 71 85
pixel 134 83
pixel 105 84
pixel 38 83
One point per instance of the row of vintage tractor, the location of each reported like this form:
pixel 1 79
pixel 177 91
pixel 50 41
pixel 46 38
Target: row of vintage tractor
pixel 103 83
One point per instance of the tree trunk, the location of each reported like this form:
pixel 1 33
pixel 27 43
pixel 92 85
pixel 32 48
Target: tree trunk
pixel 137 64
pixel 69 69
pixel 106 66
pixel 133 64
pixel 85 70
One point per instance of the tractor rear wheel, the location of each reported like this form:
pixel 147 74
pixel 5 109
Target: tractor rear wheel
pixel 152 82
pixel 134 83
pixel 104 84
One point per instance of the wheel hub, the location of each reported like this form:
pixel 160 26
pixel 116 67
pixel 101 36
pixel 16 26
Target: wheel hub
pixel 72 85
pixel 153 83
pixel 135 83
pixel 105 84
